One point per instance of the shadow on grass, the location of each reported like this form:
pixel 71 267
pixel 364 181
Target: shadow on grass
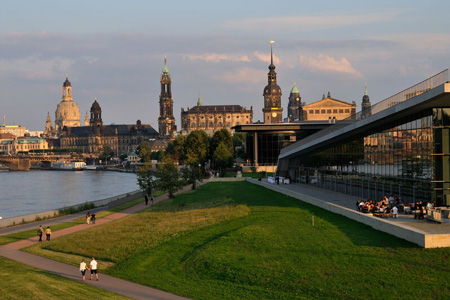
pixel 233 193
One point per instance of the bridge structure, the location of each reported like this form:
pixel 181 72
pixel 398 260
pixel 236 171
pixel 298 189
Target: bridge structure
pixel 24 162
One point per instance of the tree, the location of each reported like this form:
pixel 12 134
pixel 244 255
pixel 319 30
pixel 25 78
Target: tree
pixel 168 177
pixel 221 136
pixel 223 157
pixel 147 181
pixel 158 155
pixel 106 153
pixel 239 140
pixel 144 151
pixel 192 173
pixel 197 147
pixel 177 149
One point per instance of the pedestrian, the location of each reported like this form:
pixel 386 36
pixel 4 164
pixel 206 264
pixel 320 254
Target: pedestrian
pixel 94 268
pixel 83 268
pixel 48 233
pixel 146 199
pixel 151 200
pixel 88 218
pixel 93 218
pixel 395 212
pixel 40 231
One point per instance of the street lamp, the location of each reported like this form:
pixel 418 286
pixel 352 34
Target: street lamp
pixel 199 171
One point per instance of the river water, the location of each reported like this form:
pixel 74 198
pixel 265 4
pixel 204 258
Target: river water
pixel 24 193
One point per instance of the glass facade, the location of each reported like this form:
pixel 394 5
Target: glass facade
pixel 409 159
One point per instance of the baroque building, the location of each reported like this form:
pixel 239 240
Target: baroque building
pixel 272 95
pixel 92 138
pixel 328 109
pixel 211 118
pixel 67 112
pixel 166 120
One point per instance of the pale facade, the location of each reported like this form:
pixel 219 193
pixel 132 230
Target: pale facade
pixel 67 112
pixel 16 130
pixel 211 118
pixel 328 109
pixel 15 146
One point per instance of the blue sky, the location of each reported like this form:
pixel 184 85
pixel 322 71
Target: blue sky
pixel 114 50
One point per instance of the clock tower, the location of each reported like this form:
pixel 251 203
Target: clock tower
pixel 166 120
pixel 272 95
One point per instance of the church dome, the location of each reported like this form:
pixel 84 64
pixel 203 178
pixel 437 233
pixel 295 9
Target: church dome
pixel 67 114
pixel 95 106
pixel 295 90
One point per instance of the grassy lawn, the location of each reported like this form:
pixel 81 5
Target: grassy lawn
pixel 250 174
pixel 235 240
pixel 43 285
pixel 14 237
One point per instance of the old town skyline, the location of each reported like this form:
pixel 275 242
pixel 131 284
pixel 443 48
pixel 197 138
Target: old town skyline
pixel 334 48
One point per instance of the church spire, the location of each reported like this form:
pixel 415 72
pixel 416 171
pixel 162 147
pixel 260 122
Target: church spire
pixel 365 88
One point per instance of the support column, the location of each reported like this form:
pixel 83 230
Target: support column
pixel 255 148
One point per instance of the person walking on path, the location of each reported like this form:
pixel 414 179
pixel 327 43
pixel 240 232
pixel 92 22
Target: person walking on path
pixel 146 199
pixel 88 218
pixel 48 233
pixel 151 200
pixel 40 232
pixel 94 268
pixel 93 218
pixel 83 268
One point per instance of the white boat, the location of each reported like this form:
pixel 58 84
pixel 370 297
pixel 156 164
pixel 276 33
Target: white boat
pixel 68 165
pixel 90 167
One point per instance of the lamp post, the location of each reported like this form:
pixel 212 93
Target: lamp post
pixel 199 171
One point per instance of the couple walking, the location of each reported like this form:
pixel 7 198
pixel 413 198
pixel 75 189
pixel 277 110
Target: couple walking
pixel 90 217
pixel 92 269
pixel 40 232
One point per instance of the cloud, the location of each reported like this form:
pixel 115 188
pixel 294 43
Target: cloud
pixel 324 63
pixel 242 76
pixel 33 67
pixel 216 57
pixel 266 58
pixel 308 23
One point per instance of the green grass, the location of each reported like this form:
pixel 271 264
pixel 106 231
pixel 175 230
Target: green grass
pixel 240 241
pixel 250 174
pixel 19 281
pixel 14 237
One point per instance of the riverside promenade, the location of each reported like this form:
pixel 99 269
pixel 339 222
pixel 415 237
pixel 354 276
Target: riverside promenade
pixel 421 232
pixel 119 286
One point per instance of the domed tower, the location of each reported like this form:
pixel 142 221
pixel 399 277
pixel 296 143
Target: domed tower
pixel 272 95
pixel 295 110
pixel 67 112
pixel 96 122
pixel 166 120
pixel 366 109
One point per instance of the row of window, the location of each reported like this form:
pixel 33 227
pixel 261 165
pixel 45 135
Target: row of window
pixel 328 111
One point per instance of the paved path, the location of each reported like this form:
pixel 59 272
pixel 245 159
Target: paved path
pixel 106 282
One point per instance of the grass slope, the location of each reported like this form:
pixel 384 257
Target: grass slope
pixel 19 281
pixel 240 241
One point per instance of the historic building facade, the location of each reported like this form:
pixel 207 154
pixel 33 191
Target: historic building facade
pixel 327 109
pixel 272 95
pixel 211 118
pixel 121 138
pixel 67 112
pixel 22 145
pixel 166 120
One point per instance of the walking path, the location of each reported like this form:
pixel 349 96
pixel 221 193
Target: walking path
pixel 106 282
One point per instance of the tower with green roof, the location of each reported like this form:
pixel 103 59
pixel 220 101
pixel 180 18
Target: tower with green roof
pixel 166 120
pixel 295 110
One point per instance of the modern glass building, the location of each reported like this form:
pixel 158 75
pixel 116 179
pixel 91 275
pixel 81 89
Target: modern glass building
pixel 398 147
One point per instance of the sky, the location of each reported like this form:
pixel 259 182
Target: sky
pixel 114 51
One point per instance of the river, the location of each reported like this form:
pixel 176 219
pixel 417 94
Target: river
pixel 24 193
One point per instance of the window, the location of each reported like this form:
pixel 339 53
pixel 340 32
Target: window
pixel 322 111
pixel 311 111
pixel 334 111
pixel 347 111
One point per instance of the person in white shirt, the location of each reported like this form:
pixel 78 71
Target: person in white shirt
pixel 83 268
pixel 395 212
pixel 94 269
